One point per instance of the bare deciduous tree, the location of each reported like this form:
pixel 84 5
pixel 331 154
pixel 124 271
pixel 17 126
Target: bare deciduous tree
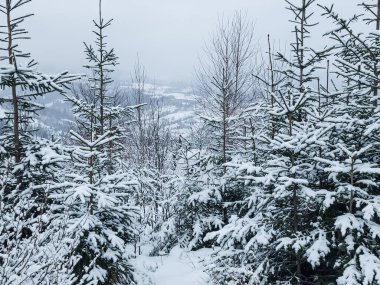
pixel 149 137
pixel 225 77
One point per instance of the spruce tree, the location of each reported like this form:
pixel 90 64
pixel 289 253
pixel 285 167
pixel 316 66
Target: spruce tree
pixel 350 160
pixel 100 193
pixel 21 83
pixel 273 239
pixel 29 166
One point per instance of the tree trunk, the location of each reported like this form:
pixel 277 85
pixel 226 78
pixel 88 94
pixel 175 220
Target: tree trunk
pixel 378 16
pixel 16 119
pixel 101 91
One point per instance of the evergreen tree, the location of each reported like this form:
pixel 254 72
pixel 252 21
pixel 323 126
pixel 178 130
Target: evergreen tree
pixel 102 60
pixel 22 84
pixel 100 209
pixel 29 226
pixel 272 240
pixel 351 209
pixel 37 247
pixel 100 192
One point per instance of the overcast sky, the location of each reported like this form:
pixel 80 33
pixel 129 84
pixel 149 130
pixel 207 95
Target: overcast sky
pixel 168 35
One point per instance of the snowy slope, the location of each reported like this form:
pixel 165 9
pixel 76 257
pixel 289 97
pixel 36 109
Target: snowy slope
pixel 179 267
pixel 177 105
pixel 177 110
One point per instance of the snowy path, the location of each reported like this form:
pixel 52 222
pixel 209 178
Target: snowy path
pixel 179 267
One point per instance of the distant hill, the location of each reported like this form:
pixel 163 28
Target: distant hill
pixel 177 107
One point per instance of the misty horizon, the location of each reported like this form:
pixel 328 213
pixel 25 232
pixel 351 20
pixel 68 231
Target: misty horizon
pixel 168 38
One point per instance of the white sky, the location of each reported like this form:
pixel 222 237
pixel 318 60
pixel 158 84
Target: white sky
pixel 168 35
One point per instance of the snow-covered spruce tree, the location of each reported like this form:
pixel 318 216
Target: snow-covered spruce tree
pixel 100 190
pixel 102 60
pixel 37 247
pixel 29 228
pixel 231 264
pixel 351 210
pixel 21 83
pixel 100 210
pixel 276 238
pixel 225 90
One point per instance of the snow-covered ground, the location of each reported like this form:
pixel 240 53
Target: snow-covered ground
pixel 180 267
